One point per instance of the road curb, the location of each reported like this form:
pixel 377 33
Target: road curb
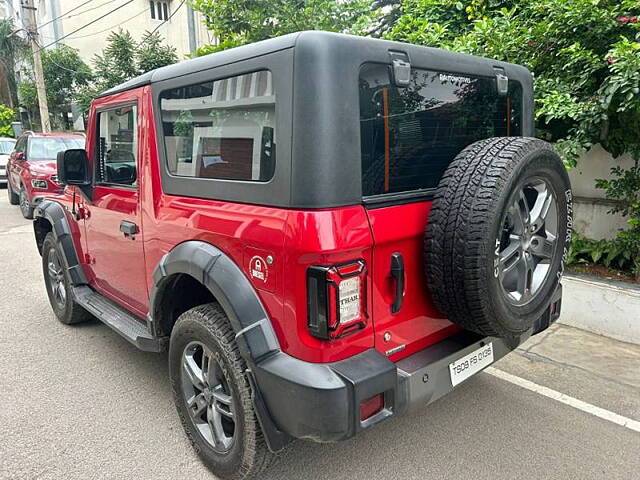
pixel 606 307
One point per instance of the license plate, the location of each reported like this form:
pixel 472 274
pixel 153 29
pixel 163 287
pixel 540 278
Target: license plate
pixel 470 364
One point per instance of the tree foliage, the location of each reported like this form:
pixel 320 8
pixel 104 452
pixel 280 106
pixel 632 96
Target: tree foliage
pixel 122 59
pixel 236 22
pixel 152 54
pixel 12 49
pixel 65 74
pixel 7 115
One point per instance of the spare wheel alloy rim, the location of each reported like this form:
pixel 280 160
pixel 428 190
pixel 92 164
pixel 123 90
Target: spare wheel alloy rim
pixel 527 241
pixel 208 397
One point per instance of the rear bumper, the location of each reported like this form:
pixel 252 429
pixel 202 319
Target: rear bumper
pixel 321 402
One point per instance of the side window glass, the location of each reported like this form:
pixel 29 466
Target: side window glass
pixel 223 129
pixel 117 149
pixel 20 145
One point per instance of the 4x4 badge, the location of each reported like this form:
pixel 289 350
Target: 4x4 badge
pixel 258 268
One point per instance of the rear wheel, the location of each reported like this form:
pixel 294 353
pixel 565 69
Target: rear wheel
pixel 25 205
pixel 13 198
pixel 213 396
pixel 498 235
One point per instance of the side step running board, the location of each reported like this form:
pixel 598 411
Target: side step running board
pixel 114 316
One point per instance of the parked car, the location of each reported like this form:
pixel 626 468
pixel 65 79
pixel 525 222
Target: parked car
pixel 6 147
pixel 324 231
pixel 31 168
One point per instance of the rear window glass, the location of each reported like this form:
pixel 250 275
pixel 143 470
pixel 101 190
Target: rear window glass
pixel 47 148
pixel 410 135
pixel 222 129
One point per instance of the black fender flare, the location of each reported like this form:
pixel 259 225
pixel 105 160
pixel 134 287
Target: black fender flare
pixel 230 287
pixel 55 214
pixel 255 336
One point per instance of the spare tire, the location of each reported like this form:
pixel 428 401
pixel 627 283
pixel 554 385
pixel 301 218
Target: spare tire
pixel 498 234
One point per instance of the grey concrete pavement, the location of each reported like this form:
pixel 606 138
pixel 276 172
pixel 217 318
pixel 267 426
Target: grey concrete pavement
pixel 81 403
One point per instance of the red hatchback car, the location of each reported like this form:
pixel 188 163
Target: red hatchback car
pixel 324 231
pixel 31 169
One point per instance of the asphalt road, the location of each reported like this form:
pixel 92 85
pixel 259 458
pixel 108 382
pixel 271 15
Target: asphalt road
pixel 81 403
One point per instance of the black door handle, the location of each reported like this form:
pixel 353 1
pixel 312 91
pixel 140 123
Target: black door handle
pixel 128 228
pixel 397 272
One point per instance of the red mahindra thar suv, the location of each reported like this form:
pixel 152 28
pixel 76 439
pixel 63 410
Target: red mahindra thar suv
pixel 31 169
pixel 324 231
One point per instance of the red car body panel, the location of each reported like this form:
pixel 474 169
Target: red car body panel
pixel 418 324
pixel 121 268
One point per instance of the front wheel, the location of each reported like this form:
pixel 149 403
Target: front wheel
pixel 58 285
pixel 213 396
pixel 25 205
pixel 13 198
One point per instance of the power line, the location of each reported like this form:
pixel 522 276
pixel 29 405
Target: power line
pixel 90 23
pixel 66 13
pixel 110 28
pixel 165 21
pixel 106 29
pixel 91 9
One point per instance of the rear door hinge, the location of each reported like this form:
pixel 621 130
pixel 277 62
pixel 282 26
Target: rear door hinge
pixel 502 81
pixel 400 68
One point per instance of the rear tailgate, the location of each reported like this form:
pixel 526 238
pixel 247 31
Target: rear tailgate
pixel 417 324
pixel 409 136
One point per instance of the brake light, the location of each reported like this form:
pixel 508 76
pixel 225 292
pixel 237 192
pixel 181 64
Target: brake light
pixel 336 299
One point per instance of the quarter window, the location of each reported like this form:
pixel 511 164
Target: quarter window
pixel 117 149
pixel 410 135
pixel 222 129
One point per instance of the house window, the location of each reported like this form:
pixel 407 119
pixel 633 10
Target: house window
pixel 159 10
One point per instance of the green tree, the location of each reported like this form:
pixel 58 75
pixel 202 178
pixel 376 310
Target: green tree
pixel 117 63
pixel 65 74
pixel 122 59
pixel 236 22
pixel 12 49
pixel 152 54
pixel 7 115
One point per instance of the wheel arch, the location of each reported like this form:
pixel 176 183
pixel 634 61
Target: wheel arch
pixel 50 216
pixel 212 269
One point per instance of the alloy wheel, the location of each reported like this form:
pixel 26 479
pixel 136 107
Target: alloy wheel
pixel 527 241
pixel 24 202
pixel 56 278
pixel 208 396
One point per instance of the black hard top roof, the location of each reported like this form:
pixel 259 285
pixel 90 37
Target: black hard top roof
pixel 314 39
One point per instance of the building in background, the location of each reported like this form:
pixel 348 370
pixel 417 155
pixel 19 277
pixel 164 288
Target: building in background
pixel 86 24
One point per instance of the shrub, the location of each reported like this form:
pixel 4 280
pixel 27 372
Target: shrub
pixel 7 115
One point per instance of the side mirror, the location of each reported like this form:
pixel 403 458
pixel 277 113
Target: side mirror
pixel 19 157
pixel 73 167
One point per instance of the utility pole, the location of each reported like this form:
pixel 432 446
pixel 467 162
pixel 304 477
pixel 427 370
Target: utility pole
pixel 32 31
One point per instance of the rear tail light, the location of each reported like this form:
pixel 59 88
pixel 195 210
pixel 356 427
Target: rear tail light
pixel 336 299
